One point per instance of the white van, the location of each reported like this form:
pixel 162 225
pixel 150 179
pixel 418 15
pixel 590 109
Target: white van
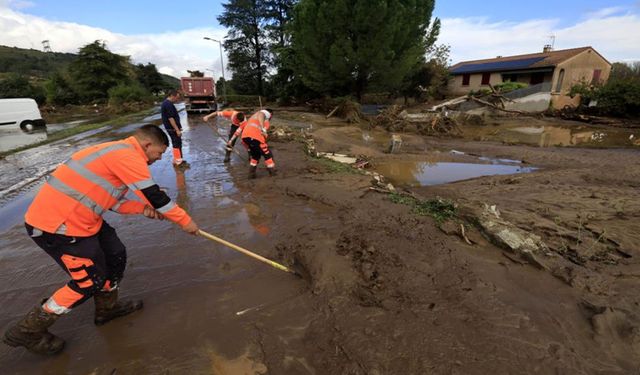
pixel 22 111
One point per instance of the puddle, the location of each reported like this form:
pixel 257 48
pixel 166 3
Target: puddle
pixel 551 136
pixel 420 173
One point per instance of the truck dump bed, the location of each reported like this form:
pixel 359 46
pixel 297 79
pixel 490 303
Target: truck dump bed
pixel 199 93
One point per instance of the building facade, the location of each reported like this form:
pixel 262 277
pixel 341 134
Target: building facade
pixel 555 71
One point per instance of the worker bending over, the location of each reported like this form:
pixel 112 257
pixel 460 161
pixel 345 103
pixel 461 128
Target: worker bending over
pixel 236 119
pixel 65 220
pixel 254 134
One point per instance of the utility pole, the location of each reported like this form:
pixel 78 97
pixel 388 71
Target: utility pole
pixel 46 47
pixel 224 81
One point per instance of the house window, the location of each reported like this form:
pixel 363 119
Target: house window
pixel 559 82
pixel 536 78
pixel 596 76
pixel 509 78
pixel 486 77
pixel 465 79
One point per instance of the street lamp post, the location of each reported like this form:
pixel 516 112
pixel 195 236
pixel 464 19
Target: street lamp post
pixel 224 81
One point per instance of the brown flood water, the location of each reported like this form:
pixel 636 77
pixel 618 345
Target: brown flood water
pixel 200 298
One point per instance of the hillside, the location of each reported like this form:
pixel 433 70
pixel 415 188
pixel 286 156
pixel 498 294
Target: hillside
pixel 32 62
pixel 38 64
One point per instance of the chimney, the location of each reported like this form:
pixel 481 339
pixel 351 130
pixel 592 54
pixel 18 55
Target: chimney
pixel 547 48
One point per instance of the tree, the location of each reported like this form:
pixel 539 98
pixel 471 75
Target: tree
pixel 246 44
pixel 285 82
pixel 429 81
pixel 347 46
pixel 149 77
pixel 18 86
pixel 625 71
pixel 59 91
pixel 96 70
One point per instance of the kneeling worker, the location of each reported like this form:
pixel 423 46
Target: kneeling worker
pixel 236 119
pixel 65 220
pixel 254 134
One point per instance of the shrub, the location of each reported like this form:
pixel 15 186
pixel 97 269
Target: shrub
pixel 509 86
pixel 18 86
pixel 617 97
pixel 124 93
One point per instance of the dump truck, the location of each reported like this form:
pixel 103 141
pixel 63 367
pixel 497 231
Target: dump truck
pixel 199 93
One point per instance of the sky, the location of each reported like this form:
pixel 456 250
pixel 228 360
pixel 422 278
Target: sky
pixel 170 34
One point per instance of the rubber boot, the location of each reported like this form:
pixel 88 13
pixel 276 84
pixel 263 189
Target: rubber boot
pixel 227 157
pixel 31 332
pixel 108 307
pixel 272 171
pixel 252 171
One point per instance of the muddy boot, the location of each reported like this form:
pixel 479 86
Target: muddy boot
pixel 252 172
pixel 272 171
pixel 227 157
pixel 31 332
pixel 108 307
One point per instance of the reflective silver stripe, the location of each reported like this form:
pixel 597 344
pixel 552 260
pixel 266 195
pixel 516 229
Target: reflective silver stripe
pixel 72 193
pixel 116 206
pixel 96 179
pixel 37 232
pixel 62 229
pixel 141 184
pixel 166 207
pixel 93 156
pixel 52 306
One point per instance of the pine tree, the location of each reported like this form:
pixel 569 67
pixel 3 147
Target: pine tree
pixel 246 44
pixel 96 70
pixel 285 82
pixel 349 46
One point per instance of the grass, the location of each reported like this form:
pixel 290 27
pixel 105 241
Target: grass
pixel 439 209
pixel 65 133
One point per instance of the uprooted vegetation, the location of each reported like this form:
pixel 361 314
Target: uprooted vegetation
pixel 439 209
pixel 396 118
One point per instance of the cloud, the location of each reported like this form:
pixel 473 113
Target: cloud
pixel 605 12
pixel 16 4
pixel 173 52
pixel 610 32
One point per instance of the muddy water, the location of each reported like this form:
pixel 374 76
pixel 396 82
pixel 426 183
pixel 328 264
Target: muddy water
pixel 419 173
pixel 193 288
pixel 554 135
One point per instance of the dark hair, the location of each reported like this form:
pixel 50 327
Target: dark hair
pixel 154 133
pixel 173 92
pixel 240 116
pixel 269 110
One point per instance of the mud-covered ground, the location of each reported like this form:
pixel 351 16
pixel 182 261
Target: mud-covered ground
pixel 386 291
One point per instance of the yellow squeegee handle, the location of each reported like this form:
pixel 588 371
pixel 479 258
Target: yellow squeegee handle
pixel 245 251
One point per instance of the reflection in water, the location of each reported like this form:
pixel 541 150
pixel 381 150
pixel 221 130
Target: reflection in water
pixel 257 219
pixel 181 185
pixel 550 136
pixel 11 136
pixel 426 173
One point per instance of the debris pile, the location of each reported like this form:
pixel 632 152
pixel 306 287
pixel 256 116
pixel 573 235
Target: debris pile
pixel 397 119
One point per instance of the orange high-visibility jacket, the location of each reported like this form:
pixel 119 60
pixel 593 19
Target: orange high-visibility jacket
pixel 94 180
pixel 231 115
pixel 251 129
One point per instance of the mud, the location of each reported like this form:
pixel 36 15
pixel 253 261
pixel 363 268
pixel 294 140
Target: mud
pixel 388 291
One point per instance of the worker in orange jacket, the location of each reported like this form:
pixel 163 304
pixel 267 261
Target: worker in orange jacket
pixel 65 220
pixel 254 134
pixel 236 119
